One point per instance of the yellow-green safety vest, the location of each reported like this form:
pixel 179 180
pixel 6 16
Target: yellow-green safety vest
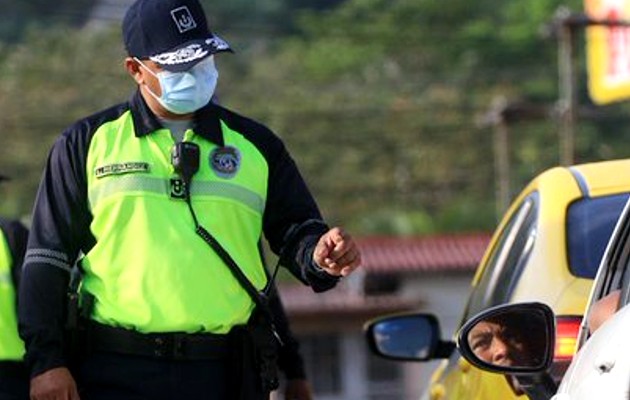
pixel 149 270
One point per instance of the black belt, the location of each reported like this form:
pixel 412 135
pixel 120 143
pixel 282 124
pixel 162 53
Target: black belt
pixel 166 346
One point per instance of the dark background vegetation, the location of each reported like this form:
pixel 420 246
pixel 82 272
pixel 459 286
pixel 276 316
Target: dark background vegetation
pixel 380 101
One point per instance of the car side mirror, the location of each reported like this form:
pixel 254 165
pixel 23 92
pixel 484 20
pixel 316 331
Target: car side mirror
pixel 408 337
pixel 510 339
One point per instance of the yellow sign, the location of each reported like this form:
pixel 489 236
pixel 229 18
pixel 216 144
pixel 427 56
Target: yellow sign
pixel 608 51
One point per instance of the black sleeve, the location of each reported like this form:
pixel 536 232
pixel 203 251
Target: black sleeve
pixel 289 358
pixel 41 313
pixel 59 229
pixel 293 223
pixel 297 254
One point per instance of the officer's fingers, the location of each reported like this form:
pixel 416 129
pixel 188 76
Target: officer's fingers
pixel 345 255
pixel 336 250
pixel 345 264
pixel 327 243
pixel 342 243
pixel 331 267
pixel 328 247
pixel 321 253
pixel 349 264
pixel 336 234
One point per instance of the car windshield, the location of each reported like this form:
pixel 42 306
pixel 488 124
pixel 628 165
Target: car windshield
pixel 590 222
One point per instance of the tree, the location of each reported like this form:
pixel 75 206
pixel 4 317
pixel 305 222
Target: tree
pixel 18 16
pixel 52 78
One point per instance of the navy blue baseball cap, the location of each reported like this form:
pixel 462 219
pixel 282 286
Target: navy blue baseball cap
pixel 172 33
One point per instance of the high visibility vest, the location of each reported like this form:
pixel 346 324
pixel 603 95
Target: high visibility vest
pixel 149 270
pixel 11 346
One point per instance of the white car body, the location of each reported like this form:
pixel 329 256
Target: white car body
pixel 601 368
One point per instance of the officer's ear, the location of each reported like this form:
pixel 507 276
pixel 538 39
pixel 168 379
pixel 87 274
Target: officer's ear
pixel 134 69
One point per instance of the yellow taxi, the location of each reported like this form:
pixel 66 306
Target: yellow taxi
pixel 547 248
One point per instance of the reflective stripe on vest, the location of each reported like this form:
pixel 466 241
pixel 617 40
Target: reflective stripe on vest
pixel 135 183
pixel 11 346
pixel 149 270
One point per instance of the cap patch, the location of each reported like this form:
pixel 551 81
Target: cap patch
pixel 183 19
pixel 225 161
pixel 185 54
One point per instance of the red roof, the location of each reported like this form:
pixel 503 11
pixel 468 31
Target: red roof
pixel 300 299
pixel 452 252
pixel 386 255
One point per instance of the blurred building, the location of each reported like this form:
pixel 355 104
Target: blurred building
pixel 428 274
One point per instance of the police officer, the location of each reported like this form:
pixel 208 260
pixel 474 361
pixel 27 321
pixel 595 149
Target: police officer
pixel 13 372
pixel 157 195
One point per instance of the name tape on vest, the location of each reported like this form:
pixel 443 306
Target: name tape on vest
pixel 121 168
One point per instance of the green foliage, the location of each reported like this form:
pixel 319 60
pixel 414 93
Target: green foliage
pixel 46 82
pixel 467 214
pixel 395 222
pixel 17 16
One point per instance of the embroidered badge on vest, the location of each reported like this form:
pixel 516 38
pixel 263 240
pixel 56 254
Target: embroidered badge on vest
pixel 225 161
pixel 121 168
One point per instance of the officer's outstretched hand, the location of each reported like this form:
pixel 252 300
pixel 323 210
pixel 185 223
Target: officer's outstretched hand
pixel 54 384
pixel 337 253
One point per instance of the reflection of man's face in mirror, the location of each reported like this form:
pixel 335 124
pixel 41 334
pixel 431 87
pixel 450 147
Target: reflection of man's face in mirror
pixel 494 344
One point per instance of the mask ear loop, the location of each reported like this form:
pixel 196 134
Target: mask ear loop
pixel 143 65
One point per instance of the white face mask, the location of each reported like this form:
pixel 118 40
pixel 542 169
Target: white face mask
pixel 186 92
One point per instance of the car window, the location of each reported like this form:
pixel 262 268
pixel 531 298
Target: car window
pixel 590 222
pixel 614 272
pixel 624 268
pixel 507 259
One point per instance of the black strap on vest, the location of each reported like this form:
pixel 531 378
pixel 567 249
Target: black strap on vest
pixel 260 330
pixel 185 161
pixel 259 298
